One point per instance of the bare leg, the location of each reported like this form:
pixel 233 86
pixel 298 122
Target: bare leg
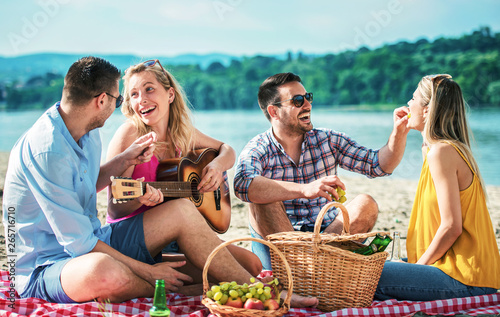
pixel 99 276
pixel 247 259
pixel 363 213
pixel 179 220
pixel 224 266
pixel 269 218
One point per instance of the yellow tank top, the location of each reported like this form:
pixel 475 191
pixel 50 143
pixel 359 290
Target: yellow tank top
pixel 473 259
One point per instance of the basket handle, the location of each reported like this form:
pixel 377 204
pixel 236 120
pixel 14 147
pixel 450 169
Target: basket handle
pixel 321 215
pixel 288 297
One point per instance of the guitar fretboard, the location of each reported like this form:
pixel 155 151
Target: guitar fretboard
pixel 173 189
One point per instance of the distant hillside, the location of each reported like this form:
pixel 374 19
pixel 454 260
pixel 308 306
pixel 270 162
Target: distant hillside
pixel 26 66
pixel 385 75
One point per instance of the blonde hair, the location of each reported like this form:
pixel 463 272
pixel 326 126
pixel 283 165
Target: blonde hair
pixel 447 116
pixel 180 124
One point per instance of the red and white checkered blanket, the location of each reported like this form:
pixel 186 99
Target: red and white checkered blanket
pixel 12 305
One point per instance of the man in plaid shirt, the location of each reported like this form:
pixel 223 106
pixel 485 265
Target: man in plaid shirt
pixel 288 172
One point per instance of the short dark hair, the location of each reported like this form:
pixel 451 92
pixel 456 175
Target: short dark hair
pixel 88 77
pixel 268 90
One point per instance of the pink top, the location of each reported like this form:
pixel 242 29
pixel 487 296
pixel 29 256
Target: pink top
pixel 148 171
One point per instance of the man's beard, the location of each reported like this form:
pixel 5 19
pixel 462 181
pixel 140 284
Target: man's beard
pixel 297 128
pixel 98 121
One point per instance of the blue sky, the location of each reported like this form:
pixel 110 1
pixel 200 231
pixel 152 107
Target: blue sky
pixel 236 27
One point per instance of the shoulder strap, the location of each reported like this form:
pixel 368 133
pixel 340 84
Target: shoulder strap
pixel 462 155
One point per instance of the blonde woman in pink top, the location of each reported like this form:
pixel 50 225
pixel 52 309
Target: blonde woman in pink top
pixel 155 103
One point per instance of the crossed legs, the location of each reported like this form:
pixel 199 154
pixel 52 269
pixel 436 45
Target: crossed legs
pixel 98 275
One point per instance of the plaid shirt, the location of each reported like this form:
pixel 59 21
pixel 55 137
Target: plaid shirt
pixel 322 151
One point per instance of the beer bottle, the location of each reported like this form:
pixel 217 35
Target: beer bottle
pixel 381 242
pixel 160 301
pixel 396 247
pixel 378 244
pixel 366 250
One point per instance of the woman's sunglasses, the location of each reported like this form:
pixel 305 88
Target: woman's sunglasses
pixel 298 100
pixel 151 63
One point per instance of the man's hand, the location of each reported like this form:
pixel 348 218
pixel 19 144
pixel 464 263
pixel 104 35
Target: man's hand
pixel 401 119
pixel 390 155
pixel 322 187
pixel 166 271
pixel 138 152
pixel 151 197
pixel 141 150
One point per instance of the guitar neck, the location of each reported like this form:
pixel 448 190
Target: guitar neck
pixel 172 189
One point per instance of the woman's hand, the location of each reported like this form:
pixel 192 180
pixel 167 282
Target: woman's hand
pixel 211 177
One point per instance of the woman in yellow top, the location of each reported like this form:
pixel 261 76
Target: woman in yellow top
pixel 451 246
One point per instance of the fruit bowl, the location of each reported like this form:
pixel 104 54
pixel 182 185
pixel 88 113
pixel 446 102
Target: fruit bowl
pixel 230 311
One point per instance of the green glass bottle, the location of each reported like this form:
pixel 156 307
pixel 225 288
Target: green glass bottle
pixel 160 301
pixel 378 244
pixel 381 242
pixel 366 250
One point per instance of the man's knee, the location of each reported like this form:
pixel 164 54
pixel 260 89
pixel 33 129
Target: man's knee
pixel 94 275
pixel 110 271
pixel 363 211
pixel 366 204
pixel 101 270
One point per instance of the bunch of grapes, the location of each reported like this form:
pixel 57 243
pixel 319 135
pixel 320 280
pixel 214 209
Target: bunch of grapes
pixel 230 291
pixel 341 193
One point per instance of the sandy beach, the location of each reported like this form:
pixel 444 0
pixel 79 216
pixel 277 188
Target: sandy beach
pixel 394 197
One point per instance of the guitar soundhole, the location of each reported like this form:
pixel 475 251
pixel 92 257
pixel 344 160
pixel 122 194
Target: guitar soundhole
pixel 196 197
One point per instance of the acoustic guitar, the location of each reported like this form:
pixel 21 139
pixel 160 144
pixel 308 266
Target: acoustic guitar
pixel 179 178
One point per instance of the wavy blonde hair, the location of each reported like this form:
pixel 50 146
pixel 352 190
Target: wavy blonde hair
pixel 447 116
pixel 179 122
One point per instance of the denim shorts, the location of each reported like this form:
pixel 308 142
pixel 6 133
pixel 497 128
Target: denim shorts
pixel 127 236
pixel 261 250
pixel 45 283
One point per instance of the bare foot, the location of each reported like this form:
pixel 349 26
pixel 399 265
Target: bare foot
pixel 298 301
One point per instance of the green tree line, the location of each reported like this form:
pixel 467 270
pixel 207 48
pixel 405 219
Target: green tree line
pixel 385 75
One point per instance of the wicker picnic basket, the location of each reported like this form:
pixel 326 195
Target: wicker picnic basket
pixel 322 265
pixel 223 310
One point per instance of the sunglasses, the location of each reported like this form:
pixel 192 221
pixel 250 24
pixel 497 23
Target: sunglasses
pixel 151 63
pixel 437 77
pixel 119 99
pixel 298 100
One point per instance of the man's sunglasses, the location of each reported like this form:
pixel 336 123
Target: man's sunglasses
pixel 298 100
pixel 119 99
